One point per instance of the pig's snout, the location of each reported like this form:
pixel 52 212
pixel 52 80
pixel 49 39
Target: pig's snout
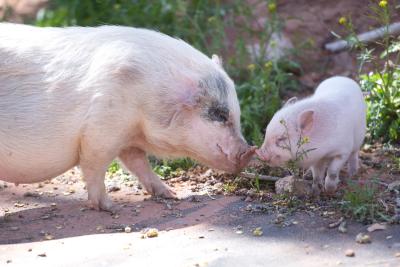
pixel 237 158
pixel 244 156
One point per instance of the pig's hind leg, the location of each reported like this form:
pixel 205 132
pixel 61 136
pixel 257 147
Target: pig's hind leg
pixel 135 160
pixel 332 177
pixel 353 164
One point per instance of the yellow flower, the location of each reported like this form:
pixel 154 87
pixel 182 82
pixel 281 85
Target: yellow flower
pixel 251 67
pixel 305 140
pixel 272 7
pixel 268 65
pixel 383 4
pixel 211 19
pixel 342 21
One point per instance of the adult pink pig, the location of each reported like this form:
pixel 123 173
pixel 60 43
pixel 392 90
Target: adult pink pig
pixel 334 121
pixel 84 96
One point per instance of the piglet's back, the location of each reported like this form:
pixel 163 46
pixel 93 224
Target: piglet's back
pixel 339 89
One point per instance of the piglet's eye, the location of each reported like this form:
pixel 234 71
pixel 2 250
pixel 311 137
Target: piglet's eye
pixel 281 139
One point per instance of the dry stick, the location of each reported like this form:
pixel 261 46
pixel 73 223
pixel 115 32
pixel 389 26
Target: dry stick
pixel 250 175
pixel 365 37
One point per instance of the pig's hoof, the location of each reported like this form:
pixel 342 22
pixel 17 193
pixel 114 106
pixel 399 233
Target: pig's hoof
pixel 316 190
pixel 104 204
pixel 165 191
pixel 330 189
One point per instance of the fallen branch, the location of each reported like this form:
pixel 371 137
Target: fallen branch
pixel 365 37
pixel 250 175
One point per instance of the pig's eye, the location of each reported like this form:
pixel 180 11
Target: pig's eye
pixel 220 114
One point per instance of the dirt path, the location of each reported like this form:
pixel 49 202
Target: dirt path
pixel 50 225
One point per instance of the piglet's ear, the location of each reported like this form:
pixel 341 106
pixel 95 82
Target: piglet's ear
pixel 290 101
pixel 306 120
pixel 217 60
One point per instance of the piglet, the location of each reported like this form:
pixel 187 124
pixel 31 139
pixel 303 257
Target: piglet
pixel 329 127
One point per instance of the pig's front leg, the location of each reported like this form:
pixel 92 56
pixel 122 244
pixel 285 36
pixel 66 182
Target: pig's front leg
pixel 332 177
pixel 93 170
pixel 135 160
pixel 318 172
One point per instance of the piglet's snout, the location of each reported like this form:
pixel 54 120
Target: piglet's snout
pixel 262 154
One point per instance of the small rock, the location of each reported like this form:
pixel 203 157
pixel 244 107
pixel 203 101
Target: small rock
pixel 31 194
pixel 8 261
pixel 150 233
pixel 376 227
pixel 14 228
pixel 258 231
pixel 342 227
pixel 114 187
pixel 42 254
pixel 293 185
pixel 19 205
pixel 48 237
pixel 363 238
pixel 280 218
pixel 127 229
pixel 394 186
pixel 248 199
pixel 350 253
pixel 239 232
pixel 248 208
pixel 336 224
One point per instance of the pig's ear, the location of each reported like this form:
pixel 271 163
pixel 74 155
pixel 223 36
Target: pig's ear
pixel 290 101
pixel 188 95
pixel 217 60
pixel 306 120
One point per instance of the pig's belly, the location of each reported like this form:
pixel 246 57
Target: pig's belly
pixel 30 166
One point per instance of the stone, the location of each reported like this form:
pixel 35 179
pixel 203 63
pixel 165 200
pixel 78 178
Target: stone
pixel 350 253
pixel 278 47
pixel 293 186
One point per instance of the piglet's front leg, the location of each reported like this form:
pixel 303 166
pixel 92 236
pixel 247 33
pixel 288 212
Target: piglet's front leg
pixel 135 160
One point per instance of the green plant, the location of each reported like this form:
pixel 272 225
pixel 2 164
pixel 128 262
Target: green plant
pixel 256 183
pixel 383 101
pixel 169 168
pixel 114 167
pixel 259 96
pixel 382 84
pixel 300 152
pixel 207 25
pixel 360 201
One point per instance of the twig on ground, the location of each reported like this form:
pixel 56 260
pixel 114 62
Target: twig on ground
pixel 250 175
